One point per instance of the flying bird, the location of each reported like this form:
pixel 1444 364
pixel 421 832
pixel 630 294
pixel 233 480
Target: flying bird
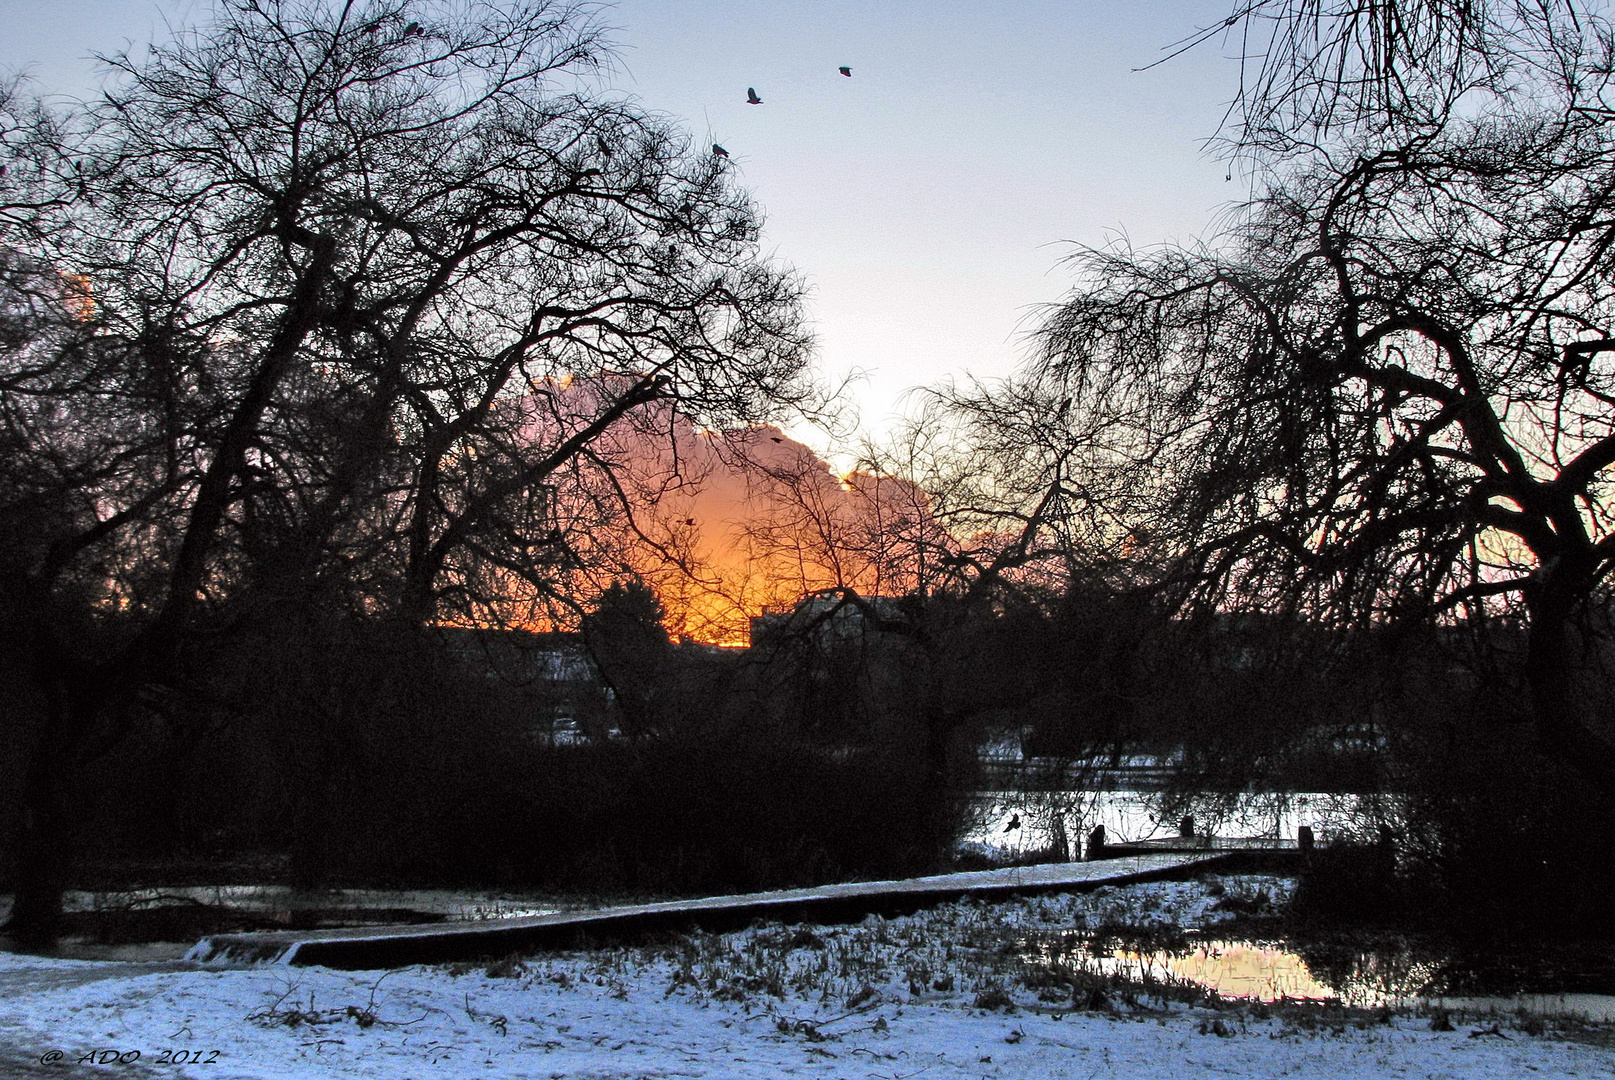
pixel 1014 823
pixel 847 71
pixel 689 521
pixel 719 151
pixel 751 97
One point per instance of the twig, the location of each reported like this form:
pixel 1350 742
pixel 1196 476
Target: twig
pixel 373 987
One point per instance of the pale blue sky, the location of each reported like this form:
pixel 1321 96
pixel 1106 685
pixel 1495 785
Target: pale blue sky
pixel 929 197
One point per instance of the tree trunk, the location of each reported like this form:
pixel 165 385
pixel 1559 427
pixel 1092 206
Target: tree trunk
pixel 72 697
pixel 43 852
pixel 1549 673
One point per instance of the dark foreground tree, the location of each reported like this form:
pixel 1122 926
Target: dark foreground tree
pixel 333 299
pixel 1388 397
pixel 1387 392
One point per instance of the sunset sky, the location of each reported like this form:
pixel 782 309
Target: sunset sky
pixel 930 198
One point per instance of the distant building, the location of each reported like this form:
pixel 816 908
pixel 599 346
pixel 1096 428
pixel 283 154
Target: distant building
pixel 829 617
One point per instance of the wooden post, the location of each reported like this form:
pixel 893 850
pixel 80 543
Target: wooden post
pixel 1385 849
pixel 1057 838
pixel 1096 843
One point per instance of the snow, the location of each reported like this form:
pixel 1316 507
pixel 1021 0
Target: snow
pixel 885 998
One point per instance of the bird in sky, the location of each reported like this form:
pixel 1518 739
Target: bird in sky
pixel 719 151
pixel 1014 823
pixel 847 71
pixel 751 97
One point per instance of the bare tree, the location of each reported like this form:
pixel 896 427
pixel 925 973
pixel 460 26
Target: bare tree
pixel 1317 71
pixel 352 287
pixel 1385 397
pixel 1007 478
pixel 1381 394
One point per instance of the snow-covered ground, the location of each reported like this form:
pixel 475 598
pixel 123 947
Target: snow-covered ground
pixel 935 995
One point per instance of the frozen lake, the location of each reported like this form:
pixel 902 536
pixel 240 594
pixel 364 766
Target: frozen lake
pixel 1010 824
pixel 341 905
pixel 1007 824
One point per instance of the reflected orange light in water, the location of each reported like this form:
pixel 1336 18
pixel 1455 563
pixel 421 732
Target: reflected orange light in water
pixel 1257 971
pixel 1233 969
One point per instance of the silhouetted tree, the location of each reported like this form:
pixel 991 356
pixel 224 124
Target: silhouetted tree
pixel 633 652
pixel 1314 72
pixel 1383 395
pixel 328 304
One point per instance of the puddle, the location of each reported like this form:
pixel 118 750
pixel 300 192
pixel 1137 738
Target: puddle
pixel 1268 971
pixel 1243 970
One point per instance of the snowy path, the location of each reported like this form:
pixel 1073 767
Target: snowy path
pixel 26 979
pixel 393 946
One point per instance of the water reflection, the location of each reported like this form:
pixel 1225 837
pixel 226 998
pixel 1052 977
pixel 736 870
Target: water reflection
pixel 1264 971
pixel 1251 972
pixel 1271 972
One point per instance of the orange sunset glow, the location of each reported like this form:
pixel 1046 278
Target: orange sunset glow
pixel 722 525
pixel 734 523
pixel 77 297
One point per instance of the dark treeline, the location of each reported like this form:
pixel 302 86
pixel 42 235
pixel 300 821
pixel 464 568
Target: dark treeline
pixel 321 749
